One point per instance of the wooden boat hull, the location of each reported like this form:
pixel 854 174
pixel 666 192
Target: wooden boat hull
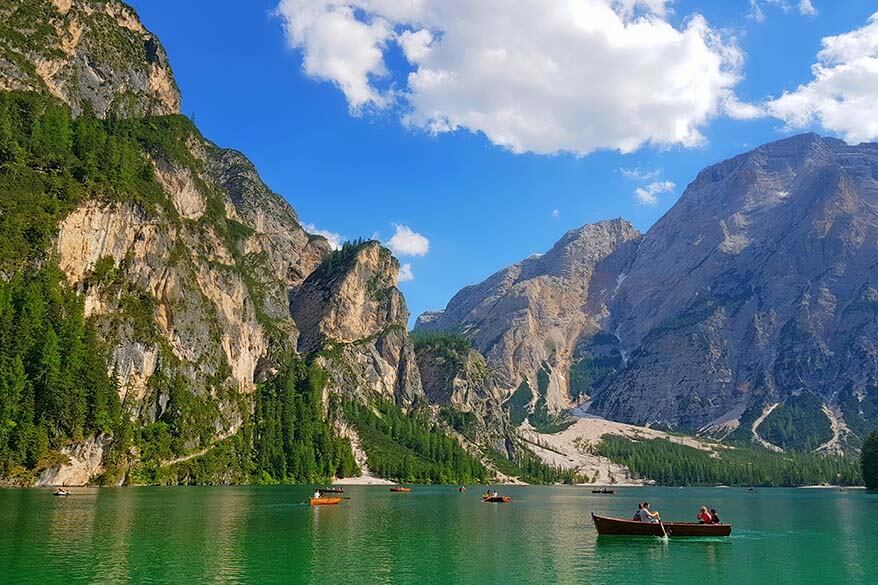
pixel 324 501
pixel 603 491
pixel 617 526
pixel 400 489
pixel 498 499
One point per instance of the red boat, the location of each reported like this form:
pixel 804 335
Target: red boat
pixel 617 526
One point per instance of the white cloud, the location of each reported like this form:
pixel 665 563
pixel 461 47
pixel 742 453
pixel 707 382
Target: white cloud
pixel 807 8
pixel 637 174
pixel 406 242
pixel 738 110
pixel 843 96
pixel 335 240
pixel 556 214
pixel 405 273
pixel 649 195
pixel 531 75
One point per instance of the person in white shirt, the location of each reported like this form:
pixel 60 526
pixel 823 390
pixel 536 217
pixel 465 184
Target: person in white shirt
pixel 647 516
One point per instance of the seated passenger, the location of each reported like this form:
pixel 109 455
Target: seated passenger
pixel 704 516
pixel 637 513
pixel 714 517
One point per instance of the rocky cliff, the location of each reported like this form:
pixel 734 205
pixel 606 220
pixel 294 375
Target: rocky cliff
pixel 350 310
pixel 528 318
pixel 752 294
pixel 88 53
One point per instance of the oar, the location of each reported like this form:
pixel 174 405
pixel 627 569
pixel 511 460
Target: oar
pixel 664 532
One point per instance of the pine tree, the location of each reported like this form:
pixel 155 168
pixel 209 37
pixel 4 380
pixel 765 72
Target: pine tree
pixel 869 461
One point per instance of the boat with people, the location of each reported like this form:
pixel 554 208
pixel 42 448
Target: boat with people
pixel 400 489
pixel 606 525
pixel 61 492
pixel 332 490
pixel 603 491
pixel 324 501
pixel 496 498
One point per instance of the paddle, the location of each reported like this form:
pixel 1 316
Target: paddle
pixel 664 532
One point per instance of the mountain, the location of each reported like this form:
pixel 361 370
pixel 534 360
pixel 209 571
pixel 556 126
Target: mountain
pixel 747 311
pixel 164 317
pixel 528 318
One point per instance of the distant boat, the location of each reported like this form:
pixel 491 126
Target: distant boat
pixel 399 488
pixel 324 501
pixel 617 526
pixel 603 491
pixel 462 489
pixel 497 499
pixel 61 492
pixel 332 490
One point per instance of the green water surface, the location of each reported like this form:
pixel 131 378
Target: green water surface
pixel 432 535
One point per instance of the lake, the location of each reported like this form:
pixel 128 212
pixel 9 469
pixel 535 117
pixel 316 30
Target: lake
pixel 432 535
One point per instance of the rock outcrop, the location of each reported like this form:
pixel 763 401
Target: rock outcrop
pixel 89 53
pixel 351 310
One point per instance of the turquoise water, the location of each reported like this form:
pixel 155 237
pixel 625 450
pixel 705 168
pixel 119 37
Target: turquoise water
pixel 432 535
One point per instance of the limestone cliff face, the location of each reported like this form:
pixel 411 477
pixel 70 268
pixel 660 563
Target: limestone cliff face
pixel 350 308
pixel 758 285
pixel 88 53
pixel 527 319
pixel 206 298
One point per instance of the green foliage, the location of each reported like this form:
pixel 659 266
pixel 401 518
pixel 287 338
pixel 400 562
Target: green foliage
pixel 462 422
pixel 452 347
pixel 518 403
pixel 54 385
pixel 342 257
pixel 292 439
pixel 408 447
pixel 543 422
pixel 671 463
pixel 869 461
pixel 798 424
pixel 49 163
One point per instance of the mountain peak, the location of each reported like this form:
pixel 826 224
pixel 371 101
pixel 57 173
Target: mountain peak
pixel 91 54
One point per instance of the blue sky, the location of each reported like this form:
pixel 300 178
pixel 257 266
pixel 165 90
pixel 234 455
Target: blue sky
pixel 358 168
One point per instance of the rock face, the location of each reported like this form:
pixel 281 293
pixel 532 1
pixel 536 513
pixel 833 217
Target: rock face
pixel 351 308
pixel 757 286
pixel 527 319
pixel 88 53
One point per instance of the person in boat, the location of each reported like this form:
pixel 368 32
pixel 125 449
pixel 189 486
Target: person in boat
pixel 646 515
pixel 714 517
pixel 317 494
pixel 637 513
pixel 704 516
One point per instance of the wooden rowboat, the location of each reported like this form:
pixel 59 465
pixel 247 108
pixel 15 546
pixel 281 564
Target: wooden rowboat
pixel 400 489
pixel 497 499
pixel 617 526
pixel 332 490
pixel 324 501
pixel 603 491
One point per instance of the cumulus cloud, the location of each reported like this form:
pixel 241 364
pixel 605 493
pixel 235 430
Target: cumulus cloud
pixel 648 195
pixel 335 240
pixel 407 242
pixel 636 174
pixel 405 272
pixel 843 95
pixel 543 77
pixel 556 214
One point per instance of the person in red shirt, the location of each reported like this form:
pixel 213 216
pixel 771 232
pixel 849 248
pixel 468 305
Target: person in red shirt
pixel 704 516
